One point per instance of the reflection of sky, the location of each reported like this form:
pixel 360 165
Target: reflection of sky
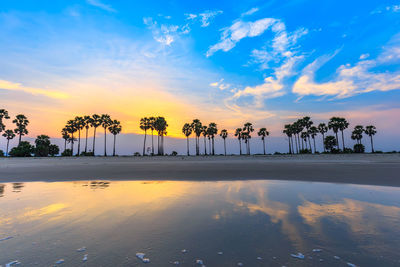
pixel 360 223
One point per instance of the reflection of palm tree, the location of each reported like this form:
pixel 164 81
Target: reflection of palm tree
pixel 322 128
pixel 238 134
pixel 2 186
pixel 21 122
pixel 370 130
pixel 17 187
pixel 95 122
pixel 105 123
pixel 187 131
pixel 8 134
pixel 224 135
pixel 115 128
pixel 263 133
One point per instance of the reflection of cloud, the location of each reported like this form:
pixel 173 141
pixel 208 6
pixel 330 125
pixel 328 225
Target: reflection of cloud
pixel 36 214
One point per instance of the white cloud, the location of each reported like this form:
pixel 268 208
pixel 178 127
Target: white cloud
pixel 351 79
pixel 364 56
pixel 164 33
pixel 220 84
pixel 99 4
pixel 205 17
pixel 250 12
pixel 11 86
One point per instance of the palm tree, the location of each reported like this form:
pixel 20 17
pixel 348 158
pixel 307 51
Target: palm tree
pixel 161 128
pixel 322 128
pixel 152 121
pixel 334 124
pixel 343 125
pixel 212 130
pixel 71 129
pixel 263 133
pixel 79 124
pixel 115 128
pixel 87 123
pixel 313 131
pixel 297 129
pixel 95 122
pixel 8 134
pixel 248 128
pixel 238 134
pixel 65 136
pixel 304 136
pixel 187 131
pixel 105 123
pixel 224 135
pixel 357 133
pixel 197 129
pixel 289 132
pixel 370 130
pixel 21 122
pixel 205 134
pixel 307 124
pixel 3 115
pixel 145 125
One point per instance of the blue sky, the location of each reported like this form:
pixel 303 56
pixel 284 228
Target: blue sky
pixel 225 61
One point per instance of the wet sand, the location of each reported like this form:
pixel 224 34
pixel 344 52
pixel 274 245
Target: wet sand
pixel 368 169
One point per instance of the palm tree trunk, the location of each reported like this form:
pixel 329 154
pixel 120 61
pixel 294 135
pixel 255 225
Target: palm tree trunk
pixel 8 141
pixel 372 145
pixel 248 144
pixel 65 145
pixel 87 130
pixel 264 145
pixel 309 142
pixel 213 150
pixel 114 145
pixel 187 142
pixel 298 139
pixel 225 146
pixel 94 140
pixel 297 148
pixel 205 146
pixel 323 142
pixel 291 144
pixel 290 149
pixel 20 137
pixel 72 144
pixel 79 142
pixel 158 144
pixel 144 142
pixel 105 142
pixel 315 147
pixel 343 140
pixel 152 144
pixel 337 140
pixel 240 147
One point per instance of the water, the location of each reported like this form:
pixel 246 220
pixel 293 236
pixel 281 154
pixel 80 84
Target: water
pixel 47 222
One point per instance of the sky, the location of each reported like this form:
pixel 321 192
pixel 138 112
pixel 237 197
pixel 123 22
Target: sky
pixel 267 62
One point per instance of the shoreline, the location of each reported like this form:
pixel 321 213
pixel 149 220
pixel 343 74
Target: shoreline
pixel 367 169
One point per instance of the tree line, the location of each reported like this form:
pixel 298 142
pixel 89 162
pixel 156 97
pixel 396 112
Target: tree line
pixel 301 136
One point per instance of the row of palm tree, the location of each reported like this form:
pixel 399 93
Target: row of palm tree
pixel 358 131
pixel 209 132
pixel 158 124
pixel 301 132
pixel 86 122
pixel 21 122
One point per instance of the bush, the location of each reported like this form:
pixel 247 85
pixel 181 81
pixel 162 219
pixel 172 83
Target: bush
pixel 359 148
pixel 136 154
pixel 174 153
pixel 330 144
pixel 378 152
pixel 348 150
pixel 87 154
pixel 305 151
pixel 67 153
pixel 54 150
pixel 1 153
pixel 24 149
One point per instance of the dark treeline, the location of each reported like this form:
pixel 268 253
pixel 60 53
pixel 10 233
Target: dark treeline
pixel 302 136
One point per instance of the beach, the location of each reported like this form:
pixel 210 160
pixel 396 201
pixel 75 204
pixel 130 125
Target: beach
pixel 367 169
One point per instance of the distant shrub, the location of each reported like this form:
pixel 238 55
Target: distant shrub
pixel 54 150
pixel 1 153
pixel 348 150
pixel 359 148
pixel 87 154
pixel 305 151
pixel 277 153
pixel 67 153
pixel 136 154
pixel 174 153
pixel 378 152
pixel 24 149
pixel 330 144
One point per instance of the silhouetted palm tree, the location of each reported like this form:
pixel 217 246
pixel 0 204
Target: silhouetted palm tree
pixel 79 124
pixel 334 124
pixel 197 129
pixel 313 131
pixel 343 124
pixel 21 122
pixel 87 122
pixel 263 133
pixel 3 115
pixel 8 134
pixel 224 135
pixel 289 133
pixel 115 128
pixel 304 136
pixel 187 131
pixel 161 128
pixel 65 136
pixel 330 142
pixel 238 134
pixel 95 122
pixel 152 121
pixel 297 129
pixel 370 130
pixel 322 128
pixel 105 123
pixel 212 130
pixel 205 134
pixel 71 129
pixel 357 133
pixel 307 124
pixel 248 129
pixel 145 125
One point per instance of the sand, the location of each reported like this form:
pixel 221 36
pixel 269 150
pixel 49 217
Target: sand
pixel 368 169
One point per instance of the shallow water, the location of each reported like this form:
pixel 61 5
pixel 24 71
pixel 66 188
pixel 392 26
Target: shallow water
pixel 42 223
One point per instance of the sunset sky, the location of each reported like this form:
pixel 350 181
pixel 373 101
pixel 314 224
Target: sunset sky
pixel 268 62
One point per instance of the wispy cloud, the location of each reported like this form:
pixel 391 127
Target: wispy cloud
pixel 99 4
pixel 221 85
pixel 392 8
pixel 205 17
pixel 11 86
pixel 165 34
pixel 250 12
